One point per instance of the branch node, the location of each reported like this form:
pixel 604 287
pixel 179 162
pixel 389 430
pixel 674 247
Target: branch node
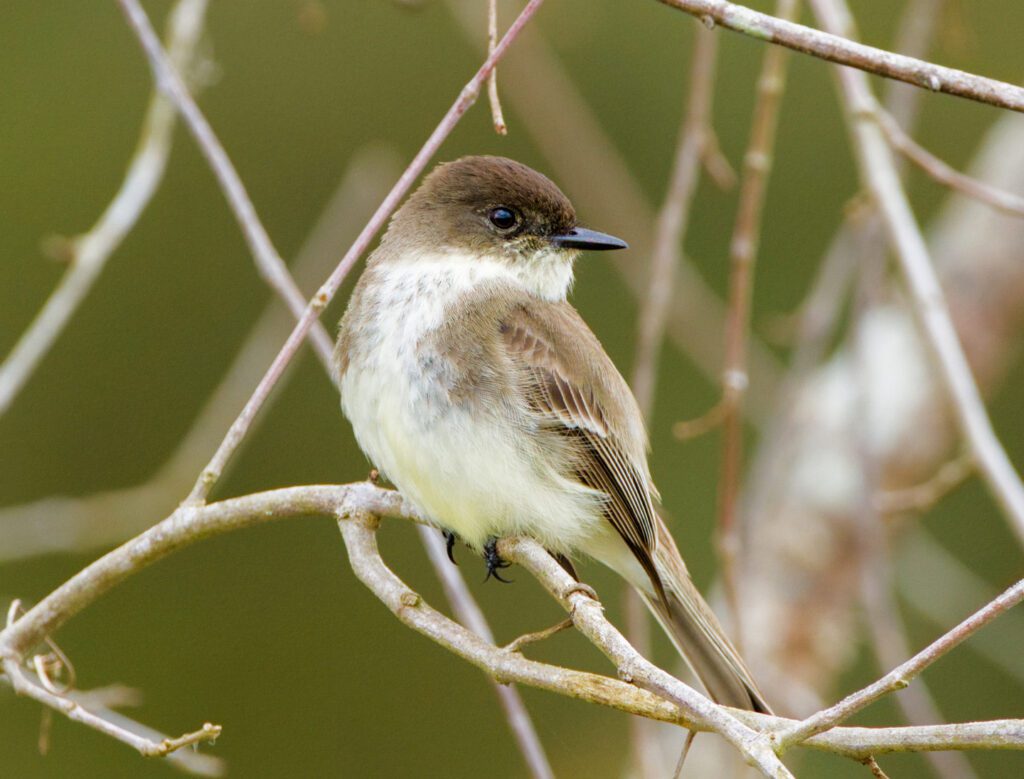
pixel 207 733
pixel 320 300
pixel 735 381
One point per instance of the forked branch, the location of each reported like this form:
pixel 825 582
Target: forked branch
pixel 642 689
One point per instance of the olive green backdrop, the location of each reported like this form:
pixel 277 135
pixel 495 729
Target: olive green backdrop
pixel 266 631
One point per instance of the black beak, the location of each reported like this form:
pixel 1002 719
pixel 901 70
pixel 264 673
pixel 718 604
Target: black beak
pixel 582 238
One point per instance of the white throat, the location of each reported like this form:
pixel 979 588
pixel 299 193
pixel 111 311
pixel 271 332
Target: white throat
pixel 548 275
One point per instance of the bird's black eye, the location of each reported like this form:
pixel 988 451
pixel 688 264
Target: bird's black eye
pixel 503 218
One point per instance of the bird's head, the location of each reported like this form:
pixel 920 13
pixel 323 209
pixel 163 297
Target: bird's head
pixel 498 211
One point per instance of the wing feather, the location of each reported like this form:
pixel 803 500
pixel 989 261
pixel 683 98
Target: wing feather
pixel 568 402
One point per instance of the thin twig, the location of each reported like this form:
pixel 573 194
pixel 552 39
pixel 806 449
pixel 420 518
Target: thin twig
pixel 90 251
pixel 914 35
pixel 945 174
pixel 240 427
pixel 82 524
pixel 834 48
pixel 469 614
pixel 71 709
pixel 939 586
pixel 497 115
pixel 879 176
pixel 686 429
pixel 539 635
pixel 921 497
pixel 268 261
pixel 874 767
pixel 889 641
pixel 903 674
pixel 674 218
pixel 743 256
pixel 692 149
pixel 874 558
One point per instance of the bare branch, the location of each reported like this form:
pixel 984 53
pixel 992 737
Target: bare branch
pixel 904 673
pixel 588 616
pixel 185 526
pixel 73 710
pixel 743 255
pixel 914 36
pixel 890 644
pixel 673 219
pixel 539 635
pixel 90 251
pixel 942 172
pixel 268 261
pixel 843 51
pixel 359 506
pixel 875 768
pixel 497 116
pixel 923 496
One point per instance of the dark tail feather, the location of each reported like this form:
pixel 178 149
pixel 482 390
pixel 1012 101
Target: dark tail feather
pixel 696 632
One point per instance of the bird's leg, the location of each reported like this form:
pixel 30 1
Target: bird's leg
pixel 449 543
pixel 494 561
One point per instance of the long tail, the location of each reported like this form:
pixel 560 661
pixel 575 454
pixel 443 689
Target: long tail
pixel 689 622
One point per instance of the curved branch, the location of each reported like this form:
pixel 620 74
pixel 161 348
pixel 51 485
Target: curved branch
pixel 359 506
pixel 843 51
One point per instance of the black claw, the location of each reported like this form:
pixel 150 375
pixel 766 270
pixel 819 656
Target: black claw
pixel 449 542
pixel 494 562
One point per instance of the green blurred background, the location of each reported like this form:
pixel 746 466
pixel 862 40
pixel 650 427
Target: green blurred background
pixel 267 631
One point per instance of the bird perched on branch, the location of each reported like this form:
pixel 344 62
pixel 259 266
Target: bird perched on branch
pixel 481 393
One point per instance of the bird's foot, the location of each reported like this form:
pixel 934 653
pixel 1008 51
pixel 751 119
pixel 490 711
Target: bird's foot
pixel 449 544
pixel 494 561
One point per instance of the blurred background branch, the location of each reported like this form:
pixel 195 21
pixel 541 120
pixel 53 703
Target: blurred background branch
pixel 88 253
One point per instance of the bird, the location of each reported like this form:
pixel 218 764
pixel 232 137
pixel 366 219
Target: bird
pixel 477 389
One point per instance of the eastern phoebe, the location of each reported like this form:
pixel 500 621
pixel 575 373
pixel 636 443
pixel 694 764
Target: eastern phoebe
pixel 478 390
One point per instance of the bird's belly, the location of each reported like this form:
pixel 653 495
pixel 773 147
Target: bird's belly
pixel 466 468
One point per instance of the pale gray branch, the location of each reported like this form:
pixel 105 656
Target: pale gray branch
pixel 904 673
pixel 146 742
pixel 834 48
pixel 673 218
pixel 359 506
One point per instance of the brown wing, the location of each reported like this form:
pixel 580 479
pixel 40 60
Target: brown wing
pixel 572 402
